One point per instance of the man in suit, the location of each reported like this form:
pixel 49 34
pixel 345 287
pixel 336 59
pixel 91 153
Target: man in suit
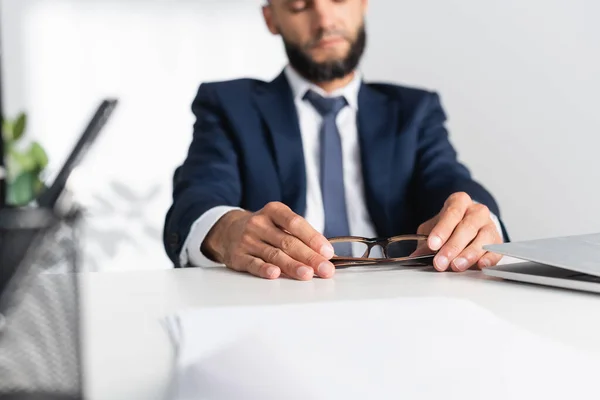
pixel 276 168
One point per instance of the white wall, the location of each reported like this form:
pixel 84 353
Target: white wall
pixel 519 80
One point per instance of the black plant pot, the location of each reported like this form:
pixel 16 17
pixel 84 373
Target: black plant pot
pixel 20 231
pixel 40 341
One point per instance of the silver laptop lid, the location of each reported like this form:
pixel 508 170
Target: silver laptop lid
pixel 576 253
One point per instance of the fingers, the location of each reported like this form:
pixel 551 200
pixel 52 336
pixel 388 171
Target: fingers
pixel 424 247
pixel 464 233
pixel 451 215
pixel 421 250
pixel 298 251
pixel 265 261
pixel 263 227
pixel 474 252
pixel 489 260
pixel 255 256
pixel 277 241
pixel 297 226
pixel 258 267
pixel 292 268
pixel 426 227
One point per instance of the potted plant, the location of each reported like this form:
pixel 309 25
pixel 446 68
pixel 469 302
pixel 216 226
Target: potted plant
pixel 25 164
pixel 22 219
pixel 35 311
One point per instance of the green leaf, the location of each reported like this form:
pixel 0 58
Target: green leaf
pixel 21 190
pixel 19 128
pixel 7 130
pixel 13 168
pixel 21 161
pixel 38 154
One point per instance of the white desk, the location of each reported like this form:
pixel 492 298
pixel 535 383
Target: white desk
pixel 128 354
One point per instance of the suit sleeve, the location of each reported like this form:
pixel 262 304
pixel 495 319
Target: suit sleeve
pixel 439 173
pixel 209 176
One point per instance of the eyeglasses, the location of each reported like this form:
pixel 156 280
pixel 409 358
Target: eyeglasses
pixel 406 250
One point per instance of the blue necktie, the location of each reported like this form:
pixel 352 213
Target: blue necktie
pixel 332 169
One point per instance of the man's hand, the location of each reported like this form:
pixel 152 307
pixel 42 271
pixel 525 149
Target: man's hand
pixel 269 242
pixel 459 232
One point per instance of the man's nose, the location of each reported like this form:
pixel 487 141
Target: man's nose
pixel 324 12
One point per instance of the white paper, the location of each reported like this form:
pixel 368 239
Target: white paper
pixel 421 348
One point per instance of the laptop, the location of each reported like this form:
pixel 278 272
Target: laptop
pixel 570 262
pixel 50 197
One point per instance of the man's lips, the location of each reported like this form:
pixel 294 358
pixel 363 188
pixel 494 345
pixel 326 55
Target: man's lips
pixel 329 42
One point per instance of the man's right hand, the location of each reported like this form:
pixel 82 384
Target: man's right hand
pixel 270 242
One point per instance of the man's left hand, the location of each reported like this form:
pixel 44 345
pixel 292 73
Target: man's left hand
pixel 459 232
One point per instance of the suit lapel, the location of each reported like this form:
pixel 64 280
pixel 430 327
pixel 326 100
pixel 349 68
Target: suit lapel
pixel 378 118
pixel 275 103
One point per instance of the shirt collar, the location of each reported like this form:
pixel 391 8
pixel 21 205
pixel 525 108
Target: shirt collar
pixel 300 86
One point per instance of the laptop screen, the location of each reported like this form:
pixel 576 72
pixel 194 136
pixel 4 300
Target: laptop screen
pixel 50 196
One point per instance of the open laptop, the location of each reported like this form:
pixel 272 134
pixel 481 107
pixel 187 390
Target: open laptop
pixel 571 262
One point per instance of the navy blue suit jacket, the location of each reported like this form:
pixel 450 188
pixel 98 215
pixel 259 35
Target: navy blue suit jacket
pixel 247 151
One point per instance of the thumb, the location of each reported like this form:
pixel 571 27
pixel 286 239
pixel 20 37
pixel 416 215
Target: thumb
pixel 421 250
pixel 426 227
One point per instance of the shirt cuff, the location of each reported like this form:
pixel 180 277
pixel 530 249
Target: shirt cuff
pixel 191 255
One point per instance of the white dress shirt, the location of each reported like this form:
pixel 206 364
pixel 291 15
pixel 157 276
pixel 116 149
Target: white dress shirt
pixel 310 120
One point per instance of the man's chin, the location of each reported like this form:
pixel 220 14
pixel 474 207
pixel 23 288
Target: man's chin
pixel 328 57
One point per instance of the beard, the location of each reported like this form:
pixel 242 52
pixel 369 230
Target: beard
pixel 326 71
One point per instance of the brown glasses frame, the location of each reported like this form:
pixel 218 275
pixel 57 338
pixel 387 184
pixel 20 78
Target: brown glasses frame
pixel 340 262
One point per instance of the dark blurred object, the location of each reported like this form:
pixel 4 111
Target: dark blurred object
pixel 19 228
pixel 2 170
pixel 51 196
pixel 40 347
